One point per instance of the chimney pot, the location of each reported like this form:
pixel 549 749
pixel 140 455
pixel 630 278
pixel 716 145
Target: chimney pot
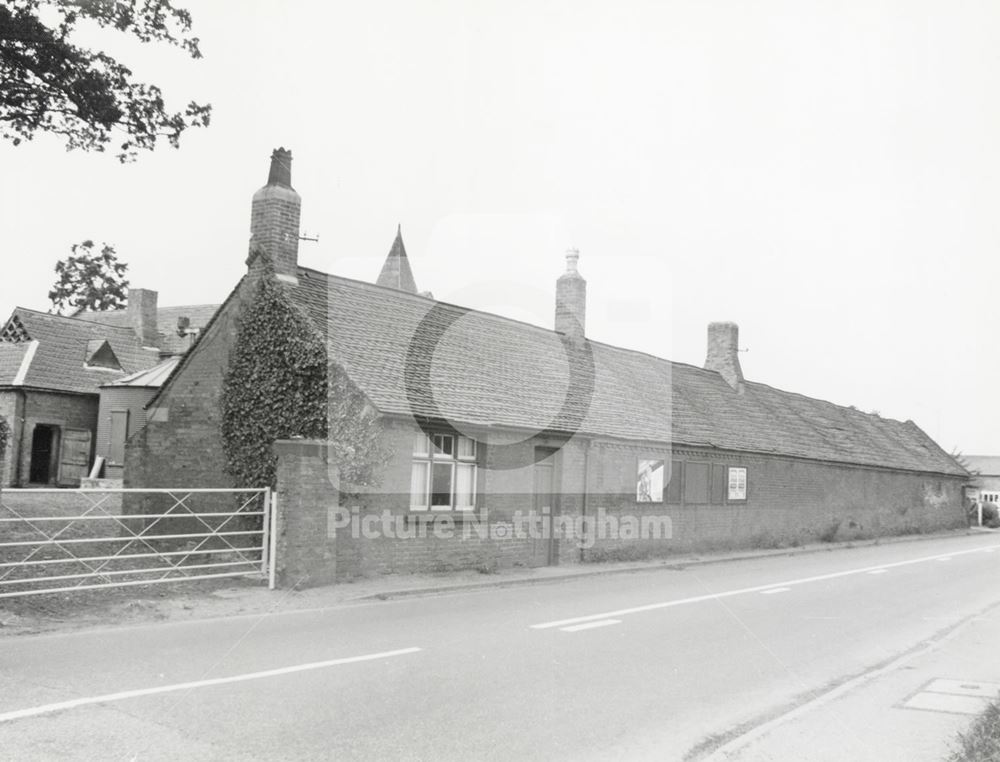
pixel 281 168
pixel 723 353
pixel 572 260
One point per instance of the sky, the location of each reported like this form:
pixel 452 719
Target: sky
pixel 825 174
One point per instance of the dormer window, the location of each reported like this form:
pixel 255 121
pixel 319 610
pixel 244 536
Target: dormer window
pixel 100 356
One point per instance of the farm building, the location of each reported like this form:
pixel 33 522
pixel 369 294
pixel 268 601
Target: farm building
pixel 52 368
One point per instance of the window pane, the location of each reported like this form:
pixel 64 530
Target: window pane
pixel 420 443
pixel 465 487
pixel 441 478
pixel 444 445
pixel 418 486
pixel 696 483
pixel 466 448
pixel 737 484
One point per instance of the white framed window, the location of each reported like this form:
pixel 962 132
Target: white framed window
pixel 737 483
pixel 443 473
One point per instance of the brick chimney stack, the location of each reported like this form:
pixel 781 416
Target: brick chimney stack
pixel 141 311
pixel 723 353
pixel 274 219
pixel 571 299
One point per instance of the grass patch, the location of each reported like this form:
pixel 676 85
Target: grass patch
pixel 981 742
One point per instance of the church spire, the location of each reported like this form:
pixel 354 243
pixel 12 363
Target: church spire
pixel 396 272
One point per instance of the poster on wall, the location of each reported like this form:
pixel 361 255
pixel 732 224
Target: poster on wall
pixel 649 482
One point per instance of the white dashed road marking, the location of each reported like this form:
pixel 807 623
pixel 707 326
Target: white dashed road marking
pixel 561 623
pixel 123 695
pixel 590 625
pixel 774 590
pixel 878 571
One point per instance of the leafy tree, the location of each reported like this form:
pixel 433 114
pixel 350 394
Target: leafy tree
pixel 959 457
pixel 50 84
pixel 90 281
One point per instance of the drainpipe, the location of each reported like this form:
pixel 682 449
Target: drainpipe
pixel 19 421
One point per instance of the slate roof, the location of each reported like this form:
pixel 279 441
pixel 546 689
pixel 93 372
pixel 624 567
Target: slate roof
pixel 11 357
pixel 59 360
pixel 491 370
pixel 986 465
pixel 166 322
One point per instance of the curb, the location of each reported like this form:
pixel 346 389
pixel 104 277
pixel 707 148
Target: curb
pixel 720 749
pixel 679 564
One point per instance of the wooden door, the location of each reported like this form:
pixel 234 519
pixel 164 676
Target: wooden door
pixel 74 458
pixel 544 507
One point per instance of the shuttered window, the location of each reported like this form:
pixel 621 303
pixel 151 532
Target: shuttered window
pixel 718 484
pixel 696 483
pixel 676 475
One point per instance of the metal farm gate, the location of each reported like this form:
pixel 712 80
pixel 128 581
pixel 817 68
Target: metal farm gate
pixel 65 540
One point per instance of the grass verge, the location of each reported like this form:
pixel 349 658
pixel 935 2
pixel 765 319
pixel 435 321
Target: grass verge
pixel 981 742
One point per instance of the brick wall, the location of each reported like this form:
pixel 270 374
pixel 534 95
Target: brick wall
pixel 181 444
pixel 10 408
pixel 789 502
pixel 306 491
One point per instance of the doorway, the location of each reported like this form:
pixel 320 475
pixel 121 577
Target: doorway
pixel 44 466
pixel 543 507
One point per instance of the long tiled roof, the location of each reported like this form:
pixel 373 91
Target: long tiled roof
pixel 59 361
pixel 490 370
pixel 985 465
pixel 166 321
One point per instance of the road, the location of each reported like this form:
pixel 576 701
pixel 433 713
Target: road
pixel 633 666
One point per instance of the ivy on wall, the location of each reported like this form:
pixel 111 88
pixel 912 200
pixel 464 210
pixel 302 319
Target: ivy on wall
pixel 4 433
pixel 279 384
pixel 275 384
